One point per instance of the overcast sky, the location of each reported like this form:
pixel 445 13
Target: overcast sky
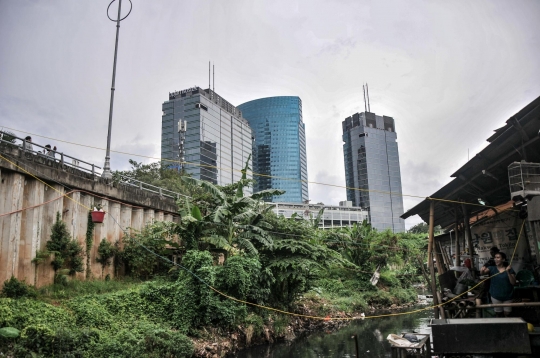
pixel 449 72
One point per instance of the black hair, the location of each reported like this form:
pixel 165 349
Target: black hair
pixel 28 138
pixel 502 254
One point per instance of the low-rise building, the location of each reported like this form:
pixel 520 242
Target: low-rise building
pixel 334 216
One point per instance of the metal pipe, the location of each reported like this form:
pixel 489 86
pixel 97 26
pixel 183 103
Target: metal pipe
pixel 516 304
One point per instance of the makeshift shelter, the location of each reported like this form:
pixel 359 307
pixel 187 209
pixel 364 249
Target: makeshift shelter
pixel 480 190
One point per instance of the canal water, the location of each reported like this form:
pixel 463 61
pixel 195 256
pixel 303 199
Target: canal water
pixel 372 341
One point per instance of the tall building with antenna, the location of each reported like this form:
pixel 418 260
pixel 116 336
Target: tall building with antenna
pixel 372 171
pixel 217 139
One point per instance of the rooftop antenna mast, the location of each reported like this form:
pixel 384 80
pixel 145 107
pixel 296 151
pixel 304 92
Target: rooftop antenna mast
pixel 213 78
pixel 209 75
pixel 365 106
pixel 367 95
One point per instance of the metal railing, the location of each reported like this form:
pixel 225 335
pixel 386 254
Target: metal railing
pixel 25 146
pixel 149 187
pixel 47 153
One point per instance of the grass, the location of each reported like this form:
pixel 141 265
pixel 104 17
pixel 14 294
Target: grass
pixel 76 288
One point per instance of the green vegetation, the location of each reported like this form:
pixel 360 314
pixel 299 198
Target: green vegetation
pixel 67 253
pixel 266 259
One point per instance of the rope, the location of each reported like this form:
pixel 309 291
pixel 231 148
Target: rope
pixel 326 318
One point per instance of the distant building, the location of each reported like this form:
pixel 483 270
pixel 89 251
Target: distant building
pixel 217 141
pixel 372 171
pixel 343 215
pixel 279 149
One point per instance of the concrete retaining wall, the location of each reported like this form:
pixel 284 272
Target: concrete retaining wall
pixel 39 186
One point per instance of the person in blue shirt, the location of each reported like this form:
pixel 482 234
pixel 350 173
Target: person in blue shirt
pixel 503 279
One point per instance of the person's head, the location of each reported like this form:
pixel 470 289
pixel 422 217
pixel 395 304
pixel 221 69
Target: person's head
pixel 493 251
pixel 28 138
pixel 48 146
pixel 500 258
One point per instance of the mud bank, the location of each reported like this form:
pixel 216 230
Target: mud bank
pixel 215 342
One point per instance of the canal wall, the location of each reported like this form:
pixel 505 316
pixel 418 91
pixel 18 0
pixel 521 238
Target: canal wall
pixel 34 188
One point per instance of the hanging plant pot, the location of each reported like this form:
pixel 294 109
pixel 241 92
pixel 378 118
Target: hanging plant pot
pixel 97 216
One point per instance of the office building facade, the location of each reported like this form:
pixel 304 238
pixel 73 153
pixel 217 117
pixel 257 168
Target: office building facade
pixel 372 172
pixel 218 139
pixel 279 148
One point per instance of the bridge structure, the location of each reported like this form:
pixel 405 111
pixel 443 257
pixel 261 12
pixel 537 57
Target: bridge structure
pixel 34 187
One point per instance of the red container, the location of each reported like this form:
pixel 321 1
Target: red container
pixel 97 216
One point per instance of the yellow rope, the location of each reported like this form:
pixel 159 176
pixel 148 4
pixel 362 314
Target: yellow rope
pixel 327 318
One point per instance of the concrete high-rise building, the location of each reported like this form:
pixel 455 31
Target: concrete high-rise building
pixel 279 148
pixel 217 141
pixel 372 169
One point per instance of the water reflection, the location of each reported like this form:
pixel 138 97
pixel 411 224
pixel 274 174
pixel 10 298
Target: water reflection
pixel 372 341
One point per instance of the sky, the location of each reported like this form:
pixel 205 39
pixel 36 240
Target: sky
pixel 448 72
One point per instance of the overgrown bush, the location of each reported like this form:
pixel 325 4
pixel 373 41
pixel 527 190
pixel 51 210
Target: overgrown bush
pixel 140 249
pixel 14 288
pixel 240 277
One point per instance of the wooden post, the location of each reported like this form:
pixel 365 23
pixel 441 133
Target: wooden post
pixel 440 258
pixel 430 258
pixel 468 235
pixel 456 232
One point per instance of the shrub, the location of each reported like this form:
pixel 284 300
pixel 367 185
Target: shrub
pixel 240 277
pixel 67 252
pixel 14 288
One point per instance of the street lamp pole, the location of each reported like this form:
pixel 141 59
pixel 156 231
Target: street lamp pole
pixel 107 166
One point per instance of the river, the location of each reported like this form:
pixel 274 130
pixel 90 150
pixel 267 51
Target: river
pixel 372 341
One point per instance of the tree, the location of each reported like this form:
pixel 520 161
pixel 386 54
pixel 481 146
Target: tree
pixel 423 228
pixel 235 222
pixel 67 253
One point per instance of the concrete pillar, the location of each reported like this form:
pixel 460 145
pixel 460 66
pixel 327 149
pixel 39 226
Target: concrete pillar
pixel 149 215
pixel 137 220
pixel 30 229
pixel 158 216
pixel 100 233
pixel 126 214
pixel 70 214
pixel 115 230
pixel 168 217
pixel 45 271
pixel 10 230
pixel 87 202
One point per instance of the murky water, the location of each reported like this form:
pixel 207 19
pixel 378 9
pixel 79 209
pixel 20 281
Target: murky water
pixel 372 341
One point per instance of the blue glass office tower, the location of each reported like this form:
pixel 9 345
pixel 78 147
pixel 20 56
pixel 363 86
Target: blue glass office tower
pixel 279 148
pixel 217 141
pixel 372 166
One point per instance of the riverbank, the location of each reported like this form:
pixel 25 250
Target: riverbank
pixel 215 343
pixel 130 318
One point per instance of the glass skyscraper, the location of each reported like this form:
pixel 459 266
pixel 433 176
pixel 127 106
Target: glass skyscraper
pixel 217 141
pixel 279 148
pixel 372 169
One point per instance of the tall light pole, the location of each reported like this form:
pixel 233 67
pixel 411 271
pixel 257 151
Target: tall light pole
pixel 107 167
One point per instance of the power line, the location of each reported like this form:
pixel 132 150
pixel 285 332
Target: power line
pixel 262 175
